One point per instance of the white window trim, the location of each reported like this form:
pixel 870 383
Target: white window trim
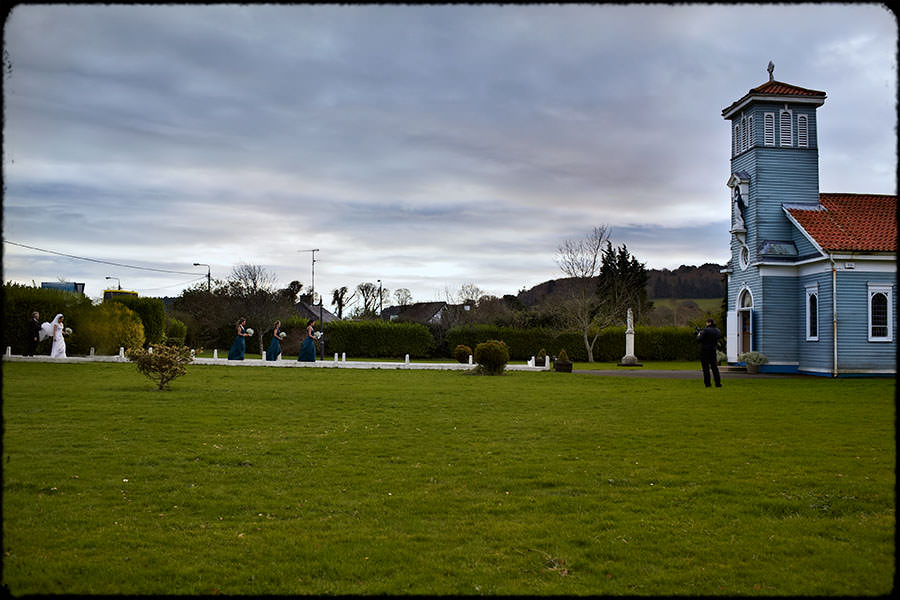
pixel 785 123
pixel 769 129
pixel 737 138
pixel 812 291
pixel 802 131
pixel 887 290
pixel 743 133
pixel 750 142
pixel 743 264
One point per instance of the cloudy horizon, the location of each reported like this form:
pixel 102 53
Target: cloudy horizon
pixel 425 146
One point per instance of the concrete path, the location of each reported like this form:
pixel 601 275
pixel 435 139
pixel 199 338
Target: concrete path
pixel 682 374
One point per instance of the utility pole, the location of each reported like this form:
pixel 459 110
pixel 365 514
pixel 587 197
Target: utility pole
pixel 313 285
pixel 208 279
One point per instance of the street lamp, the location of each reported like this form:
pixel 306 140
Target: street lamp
pixel 208 283
pixel 118 283
pixel 380 302
pixel 313 286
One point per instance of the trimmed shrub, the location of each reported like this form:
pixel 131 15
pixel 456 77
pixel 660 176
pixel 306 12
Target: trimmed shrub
pixel 462 353
pixel 522 343
pixel 106 327
pixel 161 363
pixel 152 312
pixel 492 357
pixel 176 332
pixel 378 339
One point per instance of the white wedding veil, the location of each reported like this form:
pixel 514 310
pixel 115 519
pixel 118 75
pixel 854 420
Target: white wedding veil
pixel 47 328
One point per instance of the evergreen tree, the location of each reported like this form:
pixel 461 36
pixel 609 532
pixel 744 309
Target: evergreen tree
pixel 622 284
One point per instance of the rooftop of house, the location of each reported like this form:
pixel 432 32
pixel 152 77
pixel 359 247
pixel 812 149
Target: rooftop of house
pixel 850 222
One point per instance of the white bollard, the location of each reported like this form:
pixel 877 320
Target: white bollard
pixel 470 359
pixel 407 359
pixel 343 357
pixel 215 354
pixel 92 352
pixel 9 350
pixel 121 353
pixel 335 357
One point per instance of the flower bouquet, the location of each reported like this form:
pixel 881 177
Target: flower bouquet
pixel 67 331
pixel 249 331
pixel 317 334
pixel 283 334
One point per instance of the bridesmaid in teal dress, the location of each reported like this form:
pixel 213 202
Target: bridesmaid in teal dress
pixel 275 347
pixel 239 346
pixel 308 348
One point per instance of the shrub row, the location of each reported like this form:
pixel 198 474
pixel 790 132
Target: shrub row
pixel 378 339
pixel 650 343
pixel 152 312
pixel 105 327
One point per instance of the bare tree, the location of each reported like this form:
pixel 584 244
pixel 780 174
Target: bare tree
pixel 253 295
pixel 249 279
pixel 340 299
pixel 403 296
pixel 581 260
pixel 368 293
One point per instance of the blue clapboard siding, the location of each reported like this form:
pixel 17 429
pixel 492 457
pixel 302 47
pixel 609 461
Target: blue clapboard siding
pixel 815 356
pixel 855 351
pixel 777 326
pixel 804 246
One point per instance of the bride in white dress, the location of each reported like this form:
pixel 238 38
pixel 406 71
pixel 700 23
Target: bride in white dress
pixel 58 349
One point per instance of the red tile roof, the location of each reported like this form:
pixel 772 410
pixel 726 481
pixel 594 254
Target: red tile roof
pixel 778 88
pixel 852 222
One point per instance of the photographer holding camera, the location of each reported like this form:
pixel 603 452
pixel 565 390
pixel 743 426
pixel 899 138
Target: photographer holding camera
pixel 708 338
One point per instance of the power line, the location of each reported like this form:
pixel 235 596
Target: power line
pixel 165 287
pixel 105 262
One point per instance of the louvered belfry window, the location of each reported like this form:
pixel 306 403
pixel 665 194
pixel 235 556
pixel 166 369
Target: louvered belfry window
pixel 786 130
pixel 743 133
pixel 802 131
pixel 737 139
pixel 769 129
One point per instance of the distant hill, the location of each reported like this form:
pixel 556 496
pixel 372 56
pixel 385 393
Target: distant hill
pixel 704 281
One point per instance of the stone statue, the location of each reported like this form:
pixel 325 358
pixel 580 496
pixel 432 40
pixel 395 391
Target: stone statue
pixel 629 319
pixel 738 209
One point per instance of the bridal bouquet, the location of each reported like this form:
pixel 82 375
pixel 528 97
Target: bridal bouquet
pixel 67 331
pixel 283 334
pixel 317 334
pixel 249 331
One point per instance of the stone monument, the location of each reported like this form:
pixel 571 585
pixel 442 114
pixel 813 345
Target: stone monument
pixel 629 360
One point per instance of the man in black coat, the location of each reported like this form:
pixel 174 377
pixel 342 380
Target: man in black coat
pixel 34 328
pixel 708 338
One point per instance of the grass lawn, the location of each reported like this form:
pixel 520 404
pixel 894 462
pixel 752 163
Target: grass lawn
pixel 346 481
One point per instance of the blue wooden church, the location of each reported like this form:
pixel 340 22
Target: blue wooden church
pixel 812 278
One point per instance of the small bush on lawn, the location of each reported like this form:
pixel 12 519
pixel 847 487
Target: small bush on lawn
pixel 462 353
pixel 161 363
pixel 492 357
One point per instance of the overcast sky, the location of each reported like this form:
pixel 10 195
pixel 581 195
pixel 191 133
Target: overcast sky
pixel 426 146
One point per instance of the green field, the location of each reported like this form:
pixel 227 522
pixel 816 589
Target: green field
pixel 346 481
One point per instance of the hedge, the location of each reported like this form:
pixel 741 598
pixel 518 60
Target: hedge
pixel 378 339
pixel 152 312
pixel 19 301
pixel 650 343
